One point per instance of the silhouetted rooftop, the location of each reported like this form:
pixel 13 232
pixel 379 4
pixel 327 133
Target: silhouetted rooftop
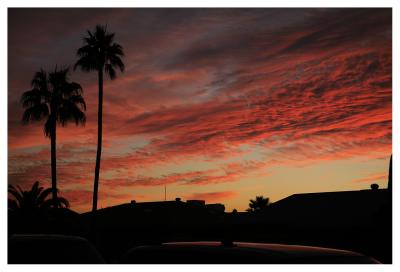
pixel 339 209
pixel 155 205
pixel 144 214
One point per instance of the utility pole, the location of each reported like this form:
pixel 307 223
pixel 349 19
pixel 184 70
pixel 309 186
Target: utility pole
pixel 165 192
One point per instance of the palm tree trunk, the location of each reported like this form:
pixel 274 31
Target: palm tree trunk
pixel 98 155
pixel 53 159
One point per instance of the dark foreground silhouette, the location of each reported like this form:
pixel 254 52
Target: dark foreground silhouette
pixel 142 229
pixel 51 249
pixel 356 221
pixel 59 249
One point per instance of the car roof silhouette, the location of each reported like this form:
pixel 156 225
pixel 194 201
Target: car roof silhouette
pixel 240 253
pixel 51 249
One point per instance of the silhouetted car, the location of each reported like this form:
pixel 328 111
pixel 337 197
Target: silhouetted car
pixel 51 249
pixel 240 253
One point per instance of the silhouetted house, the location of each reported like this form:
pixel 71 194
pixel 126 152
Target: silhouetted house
pixel 329 210
pixel 156 207
pixel 198 203
pixel 137 223
pixel 216 208
pixel 159 216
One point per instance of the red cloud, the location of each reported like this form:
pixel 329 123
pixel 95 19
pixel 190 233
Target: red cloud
pixel 212 196
pixel 313 86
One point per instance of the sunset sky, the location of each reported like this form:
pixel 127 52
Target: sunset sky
pixel 216 104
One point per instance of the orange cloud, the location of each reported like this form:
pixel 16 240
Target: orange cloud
pixel 252 89
pixel 373 178
pixel 212 196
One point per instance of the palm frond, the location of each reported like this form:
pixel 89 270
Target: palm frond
pixel 35 186
pixel 47 127
pixel 70 110
pixel 31 98
pixel 59 202
pixel 35 113
pixel 15 193
pixel 12 205
pixel 71 89
pixel 20 189
pixel 43 195
pixel 115 50
pixel 35 199
pixel 86 49
pixel 79 101
pixel 100 52
pixel 87 63
pixel 108 39
pixel 259 203
pixel 100 32
pixel 63 201
pixel 58 77
pixel 39 80
pixel 110 71
pixel 116 61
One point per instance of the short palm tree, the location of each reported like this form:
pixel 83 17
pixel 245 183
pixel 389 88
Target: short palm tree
pixel 55 100
pixel 258 204
pixel 34 200
pixel 100 54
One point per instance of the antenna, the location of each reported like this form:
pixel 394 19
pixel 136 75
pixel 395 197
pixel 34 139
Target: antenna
pixel 165 192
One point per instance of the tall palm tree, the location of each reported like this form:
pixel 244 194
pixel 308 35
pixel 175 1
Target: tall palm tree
pixel 34 200
pixel 101 54
pixel 56 100
pixel 258 204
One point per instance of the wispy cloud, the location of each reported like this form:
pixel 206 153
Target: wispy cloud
pixel 373 178
pixel 212 196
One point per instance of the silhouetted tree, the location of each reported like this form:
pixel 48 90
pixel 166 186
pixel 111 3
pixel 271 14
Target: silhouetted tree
pixel 32 201
pixel 101 54
pixel 258 204
pixel 34 210
pixel 56 100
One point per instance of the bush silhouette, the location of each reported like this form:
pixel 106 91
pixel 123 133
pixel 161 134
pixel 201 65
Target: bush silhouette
pixel 374 186
pixel 34 200
pixel 31 210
